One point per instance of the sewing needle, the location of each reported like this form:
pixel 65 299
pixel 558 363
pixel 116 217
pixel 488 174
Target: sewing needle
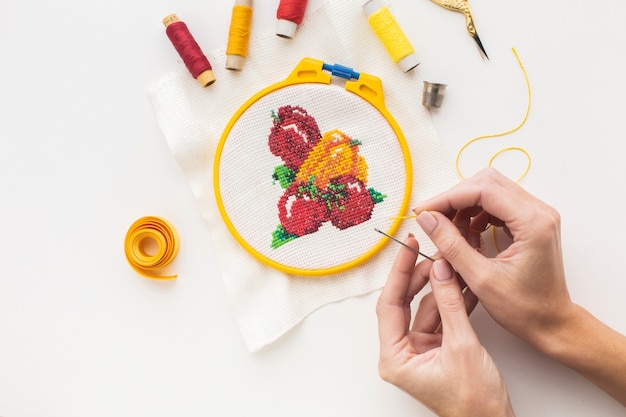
pixel 405 245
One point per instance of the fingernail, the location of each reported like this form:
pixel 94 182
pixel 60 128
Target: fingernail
pixel 410 235
pixel 442 270
pixel 427 222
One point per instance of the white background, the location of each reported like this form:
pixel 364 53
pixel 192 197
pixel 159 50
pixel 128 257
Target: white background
pixel 81 158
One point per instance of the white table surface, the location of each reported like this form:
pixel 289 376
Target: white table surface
pixel 81 157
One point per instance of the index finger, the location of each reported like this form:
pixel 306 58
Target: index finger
pixel 489 189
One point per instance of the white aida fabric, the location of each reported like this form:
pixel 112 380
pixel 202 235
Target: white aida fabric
pixel 265 301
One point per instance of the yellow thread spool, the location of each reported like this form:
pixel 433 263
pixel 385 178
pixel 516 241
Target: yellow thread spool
pixel 143 231
pixel 391 35
pixel 239 35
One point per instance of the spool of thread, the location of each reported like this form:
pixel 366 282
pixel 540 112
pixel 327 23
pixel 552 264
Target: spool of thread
pixel 189 50
pixel 390 34
pixel 155 230
pixel 289 14
pixel 433 94
pixel 239 35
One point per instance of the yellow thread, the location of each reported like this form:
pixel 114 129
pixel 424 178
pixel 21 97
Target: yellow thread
pixel 390 34
pixel 495 155
pixel 159 231
pixel 239 33
pixel 412 216
pixel 512 148
pixel 495 241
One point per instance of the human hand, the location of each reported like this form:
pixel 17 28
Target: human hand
pixel 449 372
pixel 523 288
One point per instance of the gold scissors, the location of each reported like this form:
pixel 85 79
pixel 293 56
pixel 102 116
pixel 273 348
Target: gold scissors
pixel 463 6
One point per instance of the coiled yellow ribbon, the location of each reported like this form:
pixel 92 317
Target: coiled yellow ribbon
pixel 159 231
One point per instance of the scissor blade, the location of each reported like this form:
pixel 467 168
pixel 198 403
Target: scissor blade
pixel 480 45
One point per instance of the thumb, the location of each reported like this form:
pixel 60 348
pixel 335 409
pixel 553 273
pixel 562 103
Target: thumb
pixel 450 303
pixel 452 245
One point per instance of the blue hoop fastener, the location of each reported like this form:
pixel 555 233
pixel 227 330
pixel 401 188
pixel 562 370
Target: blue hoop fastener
pixel 341 71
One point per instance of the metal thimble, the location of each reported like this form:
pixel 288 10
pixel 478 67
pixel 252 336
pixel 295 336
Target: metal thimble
pixel 433 94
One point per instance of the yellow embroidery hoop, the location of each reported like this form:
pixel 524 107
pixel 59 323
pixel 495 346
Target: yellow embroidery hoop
pixel 367 87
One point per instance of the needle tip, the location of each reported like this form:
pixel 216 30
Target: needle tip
pixel 404 244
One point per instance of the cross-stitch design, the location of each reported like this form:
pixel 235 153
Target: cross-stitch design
pixel 324 177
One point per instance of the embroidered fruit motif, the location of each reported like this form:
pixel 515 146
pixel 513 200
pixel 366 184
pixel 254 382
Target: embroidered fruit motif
pixel 324 177
pixel 301 210
pixel 336 154
pixel 293 135
pixel 353 203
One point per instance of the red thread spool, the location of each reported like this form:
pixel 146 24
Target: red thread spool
pixel 289 14
pixel 189 50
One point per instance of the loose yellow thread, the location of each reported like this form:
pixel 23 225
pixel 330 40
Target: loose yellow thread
pixel 161 232
pixel 239 32
pixel 412 216
pixel 495 241
pixel 501 151
pixel 390 34
pixel 495 155
pixel 512 148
